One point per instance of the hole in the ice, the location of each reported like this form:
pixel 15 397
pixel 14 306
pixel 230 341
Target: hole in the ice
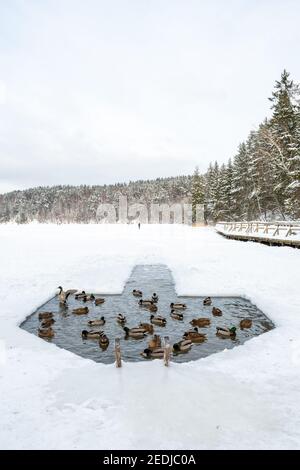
pixel 149 278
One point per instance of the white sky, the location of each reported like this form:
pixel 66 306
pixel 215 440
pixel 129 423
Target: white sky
pixel 98 91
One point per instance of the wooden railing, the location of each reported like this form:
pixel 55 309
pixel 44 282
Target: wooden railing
pixel 284 233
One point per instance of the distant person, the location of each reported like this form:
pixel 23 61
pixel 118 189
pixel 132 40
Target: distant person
pixel 139 225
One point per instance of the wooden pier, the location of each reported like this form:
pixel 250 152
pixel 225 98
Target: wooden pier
pixel 268 233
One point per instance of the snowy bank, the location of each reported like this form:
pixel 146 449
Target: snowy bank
pixel 247 397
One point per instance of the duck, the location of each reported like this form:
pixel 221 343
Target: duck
pixel 46 332
pixel 153 308
pixel 47 322
pixel 225 332
pixel 136 333
pixel 177 306
pixel 63 295
pixel 154 297
pixel 245 323
pixel 121 319
pixel 99 322
pixel 182 346
pixel 80 295
pixel 99 301
pixel 176 315
pixel 88 297
pixel 91 334
pixel 160 321
pixel 154 342
pixel 45 315
pixel 200 322
pixel 103 341
pixel 148 327
pixel 194 336
pixel 145 303
pixel 157 353
pixel 137 293
pixel 207 301
pixel 217 312
pixel 81 311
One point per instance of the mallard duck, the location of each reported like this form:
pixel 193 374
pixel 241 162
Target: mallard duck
pixel 176 315
pixel 217 312
pixel 246 323
pixel 147 327
pixel 137 293
pixel 182 346
pixel 99 322
pixel 177 306
pixel 81 311
pixel 207 301
pixel 225 332
pixel 154 342
pixel 63 295
pixel 157 353
pixel 47 322
pixel 46 333
pixel 160 321
pixel 136 333
pixel 194 336
pixel 153 308
pixel 80 295
pixel 200 322
pixel 121 319
pixel 45 315
pixel 88 297
pixel 103 341
pixel 145 303
pixel 99 301
pixel 91 334
pixel 154 297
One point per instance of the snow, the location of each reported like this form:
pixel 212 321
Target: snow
pixel 247 397
pixel 271 235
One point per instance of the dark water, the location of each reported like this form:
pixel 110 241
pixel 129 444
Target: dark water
pixel 149 279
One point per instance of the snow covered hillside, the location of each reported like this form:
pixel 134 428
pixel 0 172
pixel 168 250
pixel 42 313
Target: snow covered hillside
pixel 248 397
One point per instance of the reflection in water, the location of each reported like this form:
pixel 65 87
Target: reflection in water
pixel 149 279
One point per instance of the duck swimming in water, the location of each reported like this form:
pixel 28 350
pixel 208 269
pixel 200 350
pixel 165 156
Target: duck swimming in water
pixel 81 311
pixel 177 306
pixel 137 293
pixel 246 323
pixel 157 353
pixel 225 332
pixel 154 342
pixel 136 333
pixel 47 322
pixel 194 336
pixel 46 332
pixel 99 322
pixel 147 327
pixel 99 301
pixel 154 297
pixel 176 315
pixel 160 321
pixel 182 346
pixel 63 295
pixel 200 322
pixel 91 334
pixel 88 297
pixel 217 312
pixel 80 295
pixel 45 315
pixel 121 319
pixel 207 301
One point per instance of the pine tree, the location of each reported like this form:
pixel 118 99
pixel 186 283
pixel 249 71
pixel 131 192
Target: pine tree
pixel 197 192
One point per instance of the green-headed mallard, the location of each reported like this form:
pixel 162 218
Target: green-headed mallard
pixel 194 336
pixel 158 320
pixel 176 315
pixel 246 323
pixel 146 303
pixel 200 322
pixel 91 334
pixel 157 353
pixel 103 341
pixel 207 301
pixel 98 322
pixel 182 346
pixel 225 332
pixel 217 312
pixel 136 333
pixel 177 306
pixel 121 319
pixel 80 311
pixel 80 295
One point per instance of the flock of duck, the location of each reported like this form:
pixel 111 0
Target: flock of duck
pixel 154 349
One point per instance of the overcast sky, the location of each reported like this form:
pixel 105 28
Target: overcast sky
pixel 101 91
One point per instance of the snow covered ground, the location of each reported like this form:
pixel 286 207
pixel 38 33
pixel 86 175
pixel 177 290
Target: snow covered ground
pixel 248 397
pixel 281 236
